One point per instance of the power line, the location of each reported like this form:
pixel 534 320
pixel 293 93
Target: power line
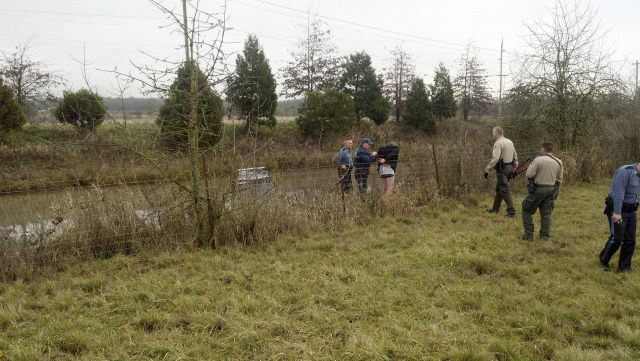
pixel 84 41
pixel 80 14
pixel 370 26
pixel 134 27
pixel 377 34
pixel 263 35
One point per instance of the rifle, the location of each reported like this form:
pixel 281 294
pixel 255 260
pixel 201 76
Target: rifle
pixel 521 169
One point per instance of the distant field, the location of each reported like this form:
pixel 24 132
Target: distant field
pixel 449 284
pixel 146 118
pixel 281 119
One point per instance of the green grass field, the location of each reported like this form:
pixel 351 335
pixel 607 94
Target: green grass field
pixel 450 284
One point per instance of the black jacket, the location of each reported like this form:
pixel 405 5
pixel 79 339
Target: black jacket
pixel 390 155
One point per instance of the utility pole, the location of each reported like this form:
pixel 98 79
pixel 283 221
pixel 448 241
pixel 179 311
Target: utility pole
pixel 500 91
pixel 400 88
pixel 636 89
pixel 310 60
pixel 185 30
pixel 467 83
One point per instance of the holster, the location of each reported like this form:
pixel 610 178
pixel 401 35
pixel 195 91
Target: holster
pixel 556 190
pixel 608 205
pixel 629 207
pixel 499 167
pixel 626 207
pixel 531 185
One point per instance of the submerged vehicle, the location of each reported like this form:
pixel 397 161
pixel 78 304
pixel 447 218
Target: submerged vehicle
pixel 248 177
pixel 252 182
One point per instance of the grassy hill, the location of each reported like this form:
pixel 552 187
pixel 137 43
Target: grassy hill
pixel 449 284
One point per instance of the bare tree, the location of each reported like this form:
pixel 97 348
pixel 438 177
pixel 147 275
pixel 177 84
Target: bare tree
pixel 568 67
pixel 398 78
pixel 314 64
pixel 203 66
pixel 30 80
pixel 471 87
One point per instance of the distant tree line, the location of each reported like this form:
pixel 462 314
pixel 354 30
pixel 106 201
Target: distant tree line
pixel 564 94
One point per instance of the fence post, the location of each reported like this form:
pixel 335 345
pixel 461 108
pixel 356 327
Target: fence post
pixel 435 163
pixel 344 204
pixel 463 152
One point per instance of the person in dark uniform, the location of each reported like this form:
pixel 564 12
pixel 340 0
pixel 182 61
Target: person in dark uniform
pixel 363 161
pixel 621 211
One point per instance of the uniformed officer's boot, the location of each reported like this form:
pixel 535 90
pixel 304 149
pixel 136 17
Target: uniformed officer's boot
pixel 610 248
pixel 527 237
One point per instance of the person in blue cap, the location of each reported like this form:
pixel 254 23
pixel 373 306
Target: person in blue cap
pixel 364 158
pixel 621 210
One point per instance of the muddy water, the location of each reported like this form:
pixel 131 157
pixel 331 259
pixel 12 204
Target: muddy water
pixel 37 207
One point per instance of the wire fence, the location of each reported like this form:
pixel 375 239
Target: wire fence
pixel 59 224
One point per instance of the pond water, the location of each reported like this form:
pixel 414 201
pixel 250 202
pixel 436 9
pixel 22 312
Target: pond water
pixel 50 212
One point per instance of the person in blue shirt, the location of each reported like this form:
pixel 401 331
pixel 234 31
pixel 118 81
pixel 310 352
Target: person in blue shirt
pixel 345 165
pixel 621 210
pixel 363 161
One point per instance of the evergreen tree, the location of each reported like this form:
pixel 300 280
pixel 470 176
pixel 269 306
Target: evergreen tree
pixel 252 89
pixel 442 95
pixel 324 113
pixel 11 115
pixel 418 109
pixel 175 114
pixel 83 109
pixel 359 80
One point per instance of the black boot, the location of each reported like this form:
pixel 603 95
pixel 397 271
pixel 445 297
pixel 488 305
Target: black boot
pixel 610 248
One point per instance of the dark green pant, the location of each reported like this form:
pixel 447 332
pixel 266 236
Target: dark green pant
pixel 502 190
pixel 542 198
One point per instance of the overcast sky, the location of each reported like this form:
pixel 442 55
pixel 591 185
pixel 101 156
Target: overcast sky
pixel 115 32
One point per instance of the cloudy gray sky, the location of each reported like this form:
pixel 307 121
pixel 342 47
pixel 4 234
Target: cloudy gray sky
pixel 115 32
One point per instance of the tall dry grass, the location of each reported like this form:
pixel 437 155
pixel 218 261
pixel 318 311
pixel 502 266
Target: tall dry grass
pixel 95 226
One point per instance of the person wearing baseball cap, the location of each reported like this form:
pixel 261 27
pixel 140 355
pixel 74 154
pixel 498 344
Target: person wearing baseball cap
pixel 364 158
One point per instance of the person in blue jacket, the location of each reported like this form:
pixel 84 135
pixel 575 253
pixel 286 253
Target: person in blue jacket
pixel 364 158
pixel 621 210
pixel 345 165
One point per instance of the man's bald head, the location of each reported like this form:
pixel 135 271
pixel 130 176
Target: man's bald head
pixel 497 132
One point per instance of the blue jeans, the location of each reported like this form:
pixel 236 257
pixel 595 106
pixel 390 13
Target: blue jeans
pixel 622 236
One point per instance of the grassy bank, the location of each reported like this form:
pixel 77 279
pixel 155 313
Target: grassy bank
pixel 448 284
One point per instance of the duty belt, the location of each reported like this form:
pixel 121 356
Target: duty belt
pixel 629 207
